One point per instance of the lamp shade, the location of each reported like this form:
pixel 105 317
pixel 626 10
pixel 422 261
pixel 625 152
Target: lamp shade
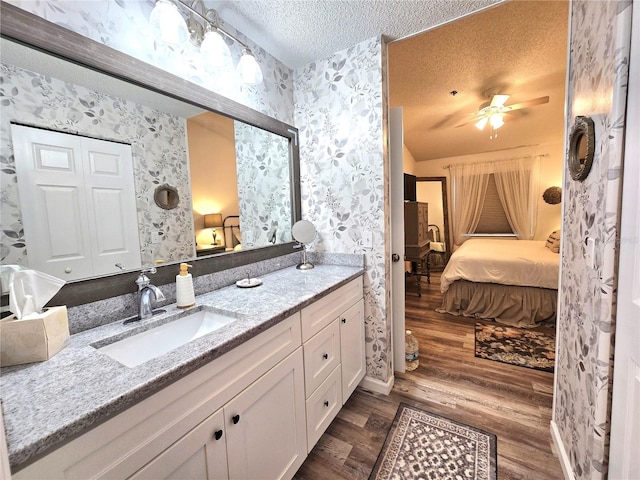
pixel 167 24
pixel 215 52
pixel 213 220
pixel 249 69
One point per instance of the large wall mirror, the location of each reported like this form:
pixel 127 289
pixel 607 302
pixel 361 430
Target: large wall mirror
pixel 433 190
pixel 216 156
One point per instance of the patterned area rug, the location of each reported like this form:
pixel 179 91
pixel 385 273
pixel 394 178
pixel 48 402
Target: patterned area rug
pixel 518 346
pixel 425 446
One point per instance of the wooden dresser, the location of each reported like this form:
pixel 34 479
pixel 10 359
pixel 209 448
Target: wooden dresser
pixel 416 239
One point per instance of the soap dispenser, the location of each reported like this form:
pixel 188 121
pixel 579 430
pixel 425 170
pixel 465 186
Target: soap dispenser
pixel 185 297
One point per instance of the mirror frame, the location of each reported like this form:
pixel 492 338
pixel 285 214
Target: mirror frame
pixel 583 130
pixel 33 31
pixel 445 210
pixel 173 198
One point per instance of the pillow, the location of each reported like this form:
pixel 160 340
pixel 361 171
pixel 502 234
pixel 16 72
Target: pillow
pixel 553 242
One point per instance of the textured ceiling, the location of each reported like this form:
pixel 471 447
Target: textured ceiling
pixel 298 32
pixel 517 48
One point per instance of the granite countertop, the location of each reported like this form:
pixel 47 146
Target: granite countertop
pixel 47 403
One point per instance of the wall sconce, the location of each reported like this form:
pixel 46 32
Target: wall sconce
pixel 169 26
pixel 552 195
pixel 213 221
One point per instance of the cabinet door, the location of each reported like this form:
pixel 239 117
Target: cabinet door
pixel 266 425
pixel 352 348
pixel 199 455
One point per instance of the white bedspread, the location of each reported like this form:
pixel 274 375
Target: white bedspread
pixel 508 262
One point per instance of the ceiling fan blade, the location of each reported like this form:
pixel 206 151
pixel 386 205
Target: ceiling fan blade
pixel 528 103
pixel 499 100
pixel 475 120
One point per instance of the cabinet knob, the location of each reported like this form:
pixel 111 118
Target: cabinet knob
pixel 325 356
pixel 217 434
pixel 344 320
pixel 67 270
pixel 235 419
pixel 326 403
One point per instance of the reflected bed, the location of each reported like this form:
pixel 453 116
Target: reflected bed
pixel 511 281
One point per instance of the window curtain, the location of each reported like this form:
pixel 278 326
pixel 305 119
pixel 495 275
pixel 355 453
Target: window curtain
pixel 517 182
pixel 469 189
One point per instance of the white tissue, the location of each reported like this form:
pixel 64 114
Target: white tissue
pixel 30 290
pixel 5 275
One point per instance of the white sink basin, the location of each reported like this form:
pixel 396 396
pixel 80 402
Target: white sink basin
pixel 137 349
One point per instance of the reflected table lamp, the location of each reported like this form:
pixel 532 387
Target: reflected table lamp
pixel 213 221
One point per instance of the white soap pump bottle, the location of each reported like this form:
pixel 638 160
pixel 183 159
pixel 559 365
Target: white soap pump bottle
pixel 185 297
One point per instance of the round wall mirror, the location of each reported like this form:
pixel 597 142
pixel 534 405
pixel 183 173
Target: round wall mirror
pixel 581 148
pixel 304 232
pixel 166 197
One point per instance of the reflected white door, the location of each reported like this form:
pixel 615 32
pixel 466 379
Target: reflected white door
pixel 78 203
pixel 396 144
pixel 624 461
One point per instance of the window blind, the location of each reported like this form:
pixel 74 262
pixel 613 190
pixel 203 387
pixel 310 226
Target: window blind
pixel 493 219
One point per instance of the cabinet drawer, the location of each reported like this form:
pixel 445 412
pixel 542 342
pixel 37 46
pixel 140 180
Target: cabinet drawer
pixel 319 314
pixel 323 406
pixel 321 356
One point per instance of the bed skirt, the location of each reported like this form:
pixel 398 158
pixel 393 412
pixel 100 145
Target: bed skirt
pixel 507 304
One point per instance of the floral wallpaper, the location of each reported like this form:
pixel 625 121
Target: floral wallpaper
pixel 598 70
pixel 339 112
pixel 264 186
pixel 124 26
pixel 158 143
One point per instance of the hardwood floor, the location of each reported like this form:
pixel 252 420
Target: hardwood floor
pixel 512 402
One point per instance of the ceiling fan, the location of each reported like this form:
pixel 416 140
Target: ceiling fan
pixel 493 114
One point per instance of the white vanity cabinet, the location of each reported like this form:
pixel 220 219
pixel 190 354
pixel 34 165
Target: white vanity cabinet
pixel 259 434
pixel 253 413
pixel 171 426
pixel 334 355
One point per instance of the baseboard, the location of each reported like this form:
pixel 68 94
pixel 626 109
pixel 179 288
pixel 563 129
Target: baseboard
pixel 377 386
pixel 562 453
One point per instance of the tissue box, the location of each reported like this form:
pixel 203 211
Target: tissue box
pixel 34 339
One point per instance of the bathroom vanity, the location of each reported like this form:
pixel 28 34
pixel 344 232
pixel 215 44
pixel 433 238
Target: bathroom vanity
pixel 248 400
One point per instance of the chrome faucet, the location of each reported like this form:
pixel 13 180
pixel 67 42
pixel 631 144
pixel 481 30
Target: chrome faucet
pixel 145 290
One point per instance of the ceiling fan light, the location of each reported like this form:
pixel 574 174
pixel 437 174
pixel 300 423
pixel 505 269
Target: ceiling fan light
pixel 249 69
pixel 167 24
pixel 480 124
pixel 214 50
pixel 496 121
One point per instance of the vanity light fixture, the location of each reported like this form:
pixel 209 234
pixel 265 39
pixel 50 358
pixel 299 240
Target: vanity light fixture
pixel 208 36
pixel 213 221
pixel 167 23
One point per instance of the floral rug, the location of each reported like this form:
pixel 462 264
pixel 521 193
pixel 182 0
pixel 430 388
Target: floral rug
pixel 421 445
pixel 518 346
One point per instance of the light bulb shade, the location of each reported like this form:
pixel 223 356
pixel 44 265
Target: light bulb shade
pixel 213 220
pixel 496 121
pixel 214 51
pixel 167 24
pixel 248 69
pixel 480 124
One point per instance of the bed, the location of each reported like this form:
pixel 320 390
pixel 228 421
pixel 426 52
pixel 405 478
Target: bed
pixel 514 282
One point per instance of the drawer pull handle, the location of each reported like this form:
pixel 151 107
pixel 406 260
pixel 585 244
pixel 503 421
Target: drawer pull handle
pixel 326 403
pixel 344 320
pixel 235 419
pixel 218 434
pixel 325 356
